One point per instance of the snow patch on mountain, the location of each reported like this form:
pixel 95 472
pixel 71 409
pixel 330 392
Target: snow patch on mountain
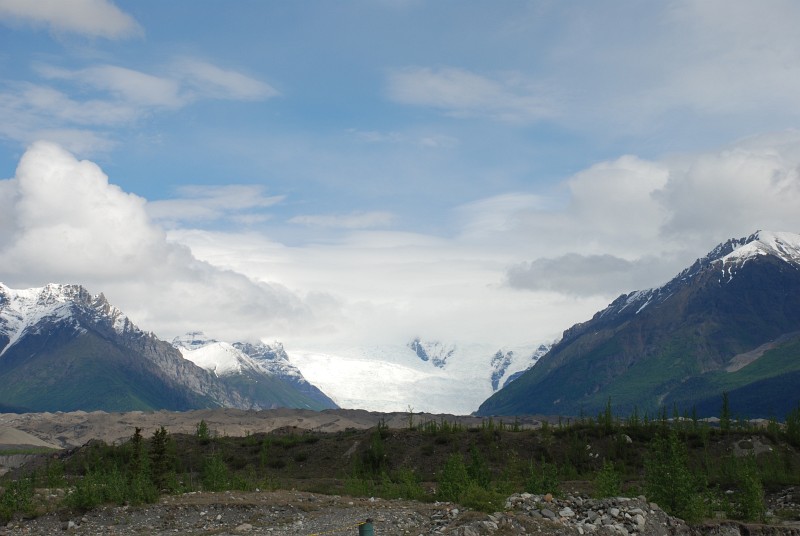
pixel 433 351
pixel 221 358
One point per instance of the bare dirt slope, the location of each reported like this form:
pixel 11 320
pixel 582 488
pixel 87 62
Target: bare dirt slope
pixel 66 430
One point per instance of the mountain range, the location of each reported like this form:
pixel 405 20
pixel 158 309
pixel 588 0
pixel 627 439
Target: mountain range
pixel 728 323
pixel 63 349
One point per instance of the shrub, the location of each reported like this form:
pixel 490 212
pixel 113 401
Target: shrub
pixel 669 481
pixel 607 482
pixel 17 499
pixel 454 479
pixel 749 501
pixel 543 479
pixel 216 476
pixel 479 498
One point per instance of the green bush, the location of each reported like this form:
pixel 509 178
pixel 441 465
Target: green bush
pixel 17 498
pixel 543 479
pixel 454 479
pixel 748 503
pixel 215 476
pixel 670 482
pixel 607 482
pixel 479 498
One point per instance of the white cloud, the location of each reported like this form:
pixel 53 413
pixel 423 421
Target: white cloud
pixel 640 221
pixel 92 18
pixel 584 275
pixel 211 81
pixel 126 85
pixel 64 222
pixel 94 100
pixel 462 93
pixel 354 220
pixel 209 203
pixel 734 191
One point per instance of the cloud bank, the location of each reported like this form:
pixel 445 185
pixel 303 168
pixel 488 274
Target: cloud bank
pixel 519 268
pixel 62 221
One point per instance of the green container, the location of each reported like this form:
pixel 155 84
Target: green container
pixel 366 529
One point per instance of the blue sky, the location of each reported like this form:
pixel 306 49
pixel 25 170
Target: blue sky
pixel 373 170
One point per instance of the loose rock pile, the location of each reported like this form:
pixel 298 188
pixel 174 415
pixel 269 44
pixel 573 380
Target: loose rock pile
pixel 621 515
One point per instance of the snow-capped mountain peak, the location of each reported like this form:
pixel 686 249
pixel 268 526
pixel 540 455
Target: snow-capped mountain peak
pixel 218 357
pixel 730 256
pixel 192 340
pixel 23 309
pixel 224 358
pixel 785 246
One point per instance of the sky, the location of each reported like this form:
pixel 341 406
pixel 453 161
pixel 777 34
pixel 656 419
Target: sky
pixel 366 172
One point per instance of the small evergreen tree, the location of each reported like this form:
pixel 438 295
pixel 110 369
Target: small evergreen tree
pixel 159 461
pixel 202 432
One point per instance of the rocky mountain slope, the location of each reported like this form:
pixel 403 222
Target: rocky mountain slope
pixel 730 322
pixel 62 349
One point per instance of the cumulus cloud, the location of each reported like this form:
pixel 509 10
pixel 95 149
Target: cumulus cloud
pixel 463 93
pixel 63 221
pixel 92 18
pixel 631 223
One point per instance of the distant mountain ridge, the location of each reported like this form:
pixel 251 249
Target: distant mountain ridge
pixel 63 349
pixel 262 370
pixel 729 322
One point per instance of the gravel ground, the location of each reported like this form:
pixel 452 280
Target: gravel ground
pixel 277 513
pixel 283 513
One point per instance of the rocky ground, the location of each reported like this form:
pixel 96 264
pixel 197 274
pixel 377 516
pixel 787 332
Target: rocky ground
pixel 283 513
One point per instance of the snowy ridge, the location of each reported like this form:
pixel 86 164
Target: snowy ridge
pixel 224 358
pixel 22 310
pixel 785 246
pixel 272 359
pixel 218 357
pixel 730 256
